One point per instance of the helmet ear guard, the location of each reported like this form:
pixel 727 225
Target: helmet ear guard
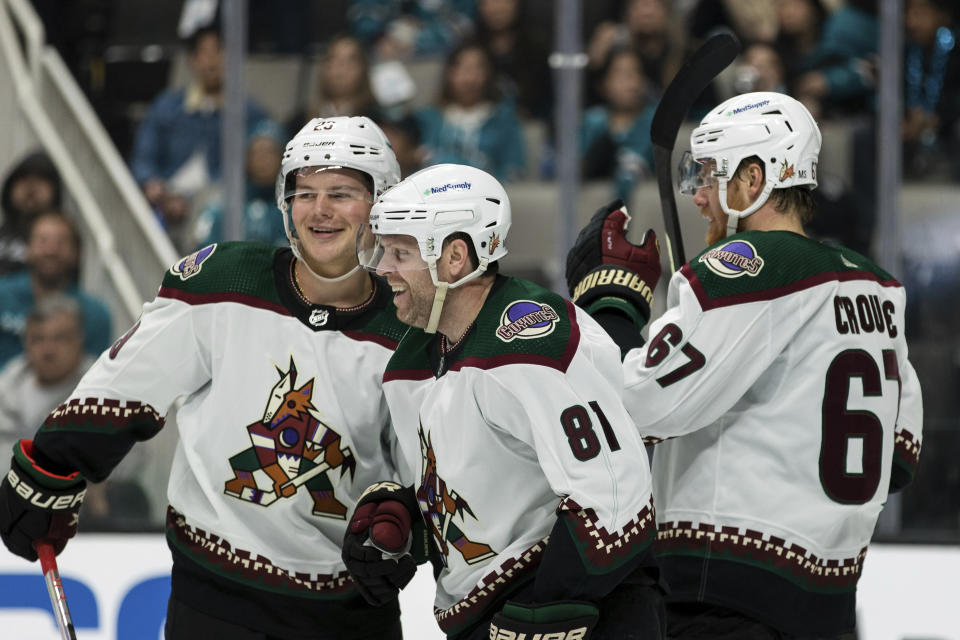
pixel 771 126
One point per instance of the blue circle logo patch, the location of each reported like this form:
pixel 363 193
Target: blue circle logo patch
pixel 733 259
pixel 526 319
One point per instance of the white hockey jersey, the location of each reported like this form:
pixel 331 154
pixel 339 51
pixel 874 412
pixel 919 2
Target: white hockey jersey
pixel 282 427
pixel 517 433
pixel 782 364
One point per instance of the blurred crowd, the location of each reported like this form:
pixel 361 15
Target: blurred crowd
pixel 490 105
pixel 490 99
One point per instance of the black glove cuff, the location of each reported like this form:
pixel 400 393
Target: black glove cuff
pixel 29 459
pixel 616 287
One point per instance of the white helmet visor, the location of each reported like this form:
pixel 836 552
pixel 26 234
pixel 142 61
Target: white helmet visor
pixel 693 174
pixel 388 253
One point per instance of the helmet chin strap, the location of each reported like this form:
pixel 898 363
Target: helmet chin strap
pixel 443 287
pixel 438 299
pixel 733 215
pixel 296 252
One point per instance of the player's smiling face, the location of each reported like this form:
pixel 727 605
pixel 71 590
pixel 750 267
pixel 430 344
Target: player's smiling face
pixel 328 208
pixel 409 278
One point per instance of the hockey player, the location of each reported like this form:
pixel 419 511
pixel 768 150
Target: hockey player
pixel 780 371
pixel 514 442
pixel 278 355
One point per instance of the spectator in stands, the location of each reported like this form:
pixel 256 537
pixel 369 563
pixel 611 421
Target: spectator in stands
pixel 471 124
pixel 760 69
pixel 650 27
pixel 53 261
pixel 343 84
pixel 31 187
pixel 262 221
pixel 516 42
pixel 749 20
pixel 615 136
pixel 33 383
pixel 413 28
pixel 931 77
pixel 176 151
pixel 829 56
pixel 405 138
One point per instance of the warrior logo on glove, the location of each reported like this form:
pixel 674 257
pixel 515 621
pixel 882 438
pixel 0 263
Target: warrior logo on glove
pixel 292 447
pixel 440 504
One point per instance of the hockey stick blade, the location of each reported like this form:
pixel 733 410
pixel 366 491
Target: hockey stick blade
pixel 694 76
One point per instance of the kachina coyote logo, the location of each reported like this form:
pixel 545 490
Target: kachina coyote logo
pixel 291 448
pixel 439 505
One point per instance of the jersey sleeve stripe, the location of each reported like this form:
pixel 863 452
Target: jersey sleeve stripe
pixel 707 303
pixel 407 374
pixel 212 298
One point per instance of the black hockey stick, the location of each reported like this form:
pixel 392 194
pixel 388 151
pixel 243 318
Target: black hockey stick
pixel 710 59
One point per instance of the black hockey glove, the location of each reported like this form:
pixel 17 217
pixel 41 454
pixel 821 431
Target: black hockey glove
pixel 36 504
pixel 569 620
pixel 605 271
pixel 383 537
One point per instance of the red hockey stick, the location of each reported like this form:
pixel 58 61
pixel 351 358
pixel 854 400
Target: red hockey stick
pixel 58 599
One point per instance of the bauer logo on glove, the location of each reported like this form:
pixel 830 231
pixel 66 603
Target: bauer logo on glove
pixel 38 498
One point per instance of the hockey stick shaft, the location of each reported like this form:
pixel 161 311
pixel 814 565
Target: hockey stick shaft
pixel 694 76
pixel 58 598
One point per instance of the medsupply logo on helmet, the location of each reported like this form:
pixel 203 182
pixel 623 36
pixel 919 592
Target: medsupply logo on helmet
pixel 526 319
pixel 733 259
pixel 748 107
pixel 443 189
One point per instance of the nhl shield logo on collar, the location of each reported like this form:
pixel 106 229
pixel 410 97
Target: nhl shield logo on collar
pixel 733 259
pixel 319 317
pixel 191 265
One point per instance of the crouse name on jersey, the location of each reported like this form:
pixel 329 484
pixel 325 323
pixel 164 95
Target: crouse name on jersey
pixel 864 314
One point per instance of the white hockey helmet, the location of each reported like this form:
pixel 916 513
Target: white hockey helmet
pixel 348 142
pixel 772 126
pixel 433 204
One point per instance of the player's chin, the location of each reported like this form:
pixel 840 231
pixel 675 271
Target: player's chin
pixel 715 234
